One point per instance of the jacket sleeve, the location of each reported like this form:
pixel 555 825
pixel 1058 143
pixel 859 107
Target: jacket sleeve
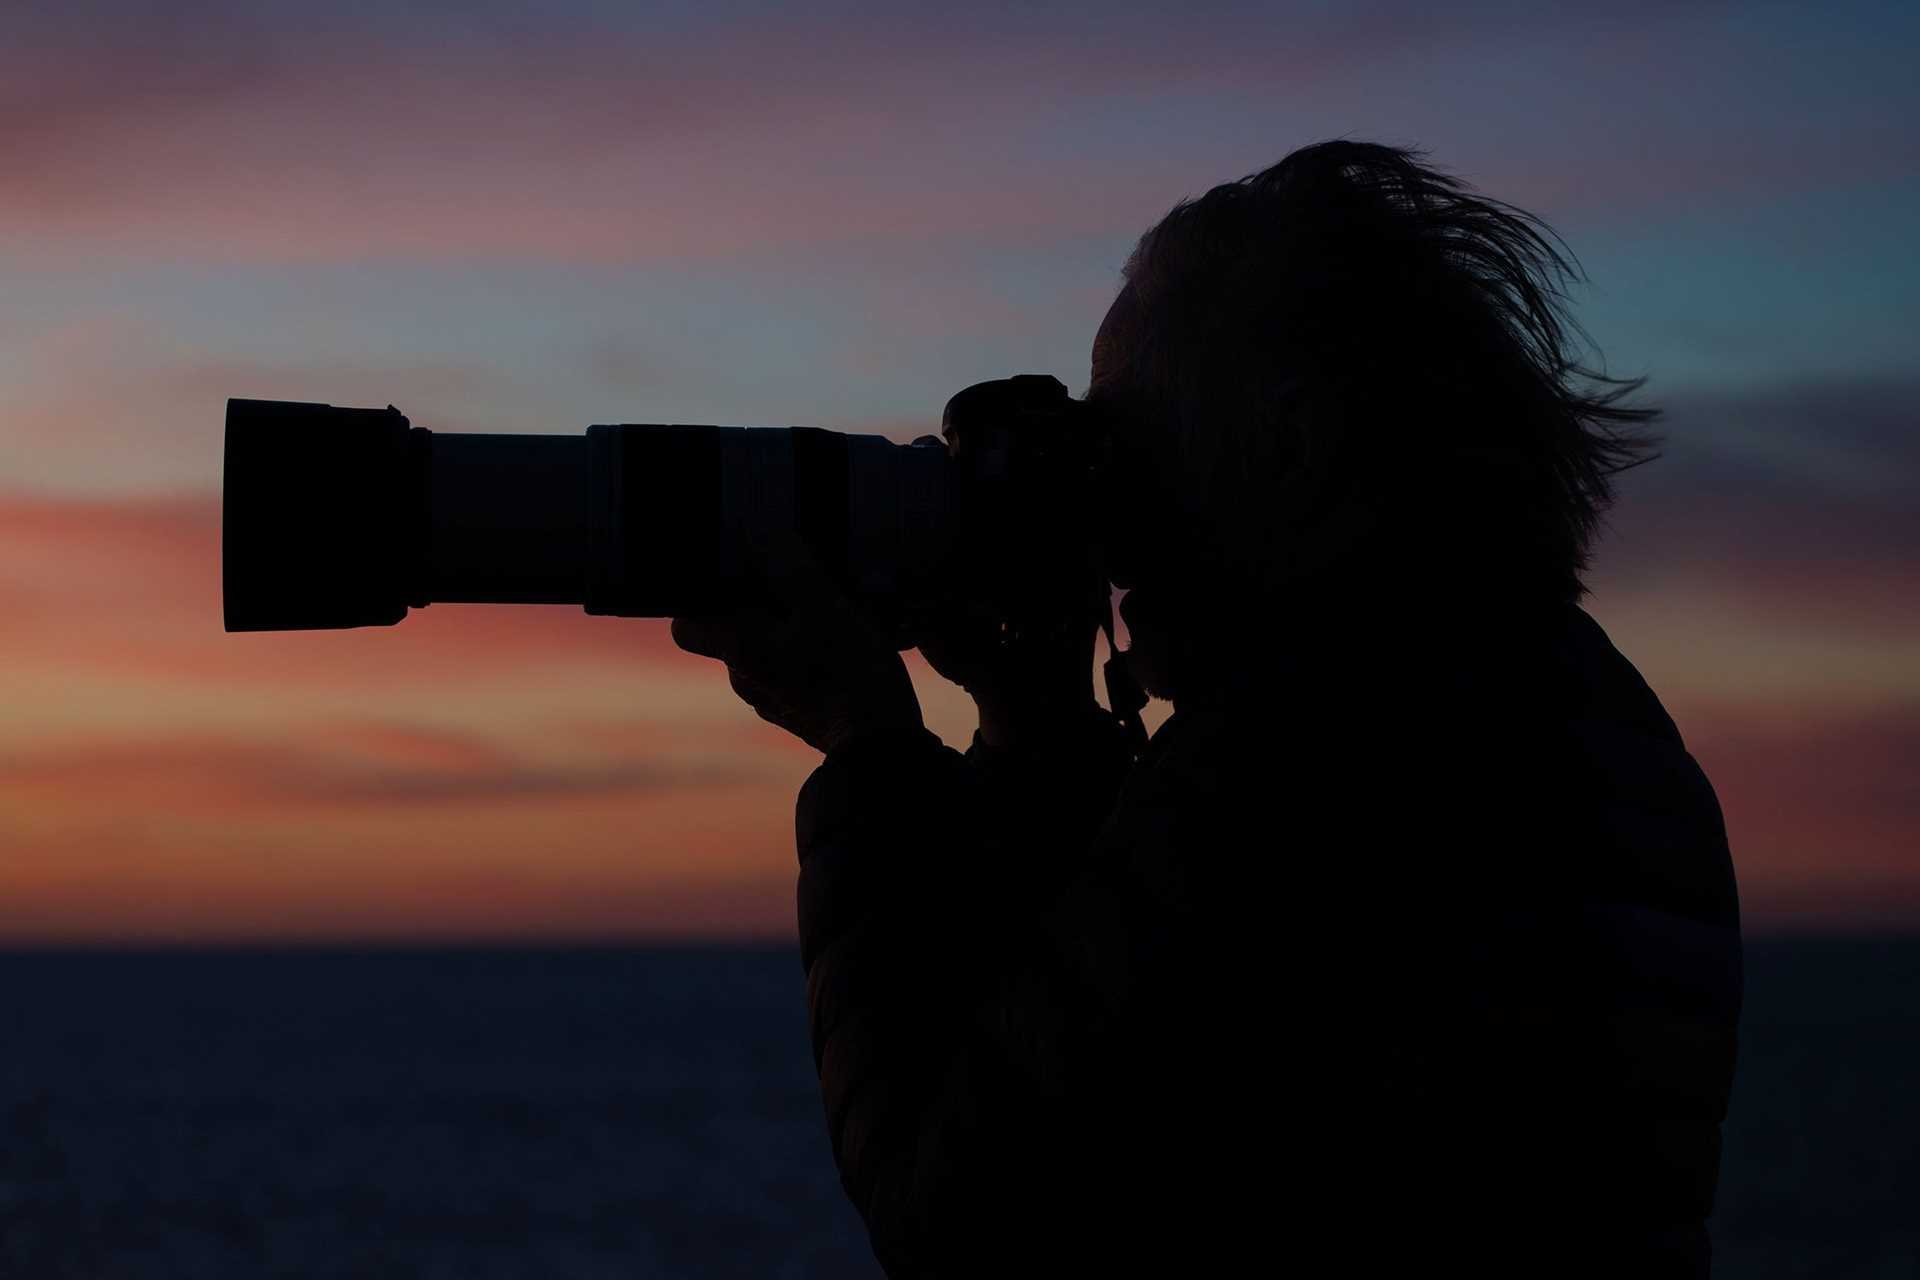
pixel 945 1020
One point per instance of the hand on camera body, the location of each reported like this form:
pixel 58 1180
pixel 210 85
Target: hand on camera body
pixel 1028 668
pixel 1027 681
pixel 814 663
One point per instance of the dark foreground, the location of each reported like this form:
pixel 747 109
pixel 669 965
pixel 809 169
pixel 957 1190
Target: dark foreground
pixel 652 1113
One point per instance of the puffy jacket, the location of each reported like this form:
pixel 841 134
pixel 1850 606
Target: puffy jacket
pixel 1408 948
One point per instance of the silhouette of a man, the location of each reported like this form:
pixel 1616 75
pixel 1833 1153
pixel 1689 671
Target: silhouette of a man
pixel 1412 940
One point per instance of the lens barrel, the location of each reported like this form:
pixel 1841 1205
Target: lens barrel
pixel 318 513
pixel 350 517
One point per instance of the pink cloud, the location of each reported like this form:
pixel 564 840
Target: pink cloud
pixel 1821 810
pixel 245 140
pixel 571 144
pixel 294 835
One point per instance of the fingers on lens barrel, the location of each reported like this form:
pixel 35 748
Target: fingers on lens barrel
pixel 735 638
pixel 750 691
pixel 702 636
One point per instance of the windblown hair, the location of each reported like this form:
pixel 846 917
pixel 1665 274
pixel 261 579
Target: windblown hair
pixel 1352 349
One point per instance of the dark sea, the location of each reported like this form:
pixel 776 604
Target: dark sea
pixel 652 1113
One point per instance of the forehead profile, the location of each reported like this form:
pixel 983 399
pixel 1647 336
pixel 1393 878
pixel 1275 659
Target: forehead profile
pixel 1112 333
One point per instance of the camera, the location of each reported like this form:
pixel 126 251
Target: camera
pixel 350 517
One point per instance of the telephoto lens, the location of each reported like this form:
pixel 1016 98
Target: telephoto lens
pixel 351 517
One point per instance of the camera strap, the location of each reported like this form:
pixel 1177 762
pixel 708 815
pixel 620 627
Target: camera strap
pixel 1125 697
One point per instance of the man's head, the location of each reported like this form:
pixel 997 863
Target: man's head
pixel 1348 376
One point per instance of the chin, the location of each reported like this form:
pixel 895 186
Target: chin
pixel 1148 656
pixel 1149 669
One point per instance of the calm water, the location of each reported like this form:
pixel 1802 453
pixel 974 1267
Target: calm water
pixel 652 1113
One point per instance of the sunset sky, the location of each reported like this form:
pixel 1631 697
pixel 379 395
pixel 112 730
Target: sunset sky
pixel 536 217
